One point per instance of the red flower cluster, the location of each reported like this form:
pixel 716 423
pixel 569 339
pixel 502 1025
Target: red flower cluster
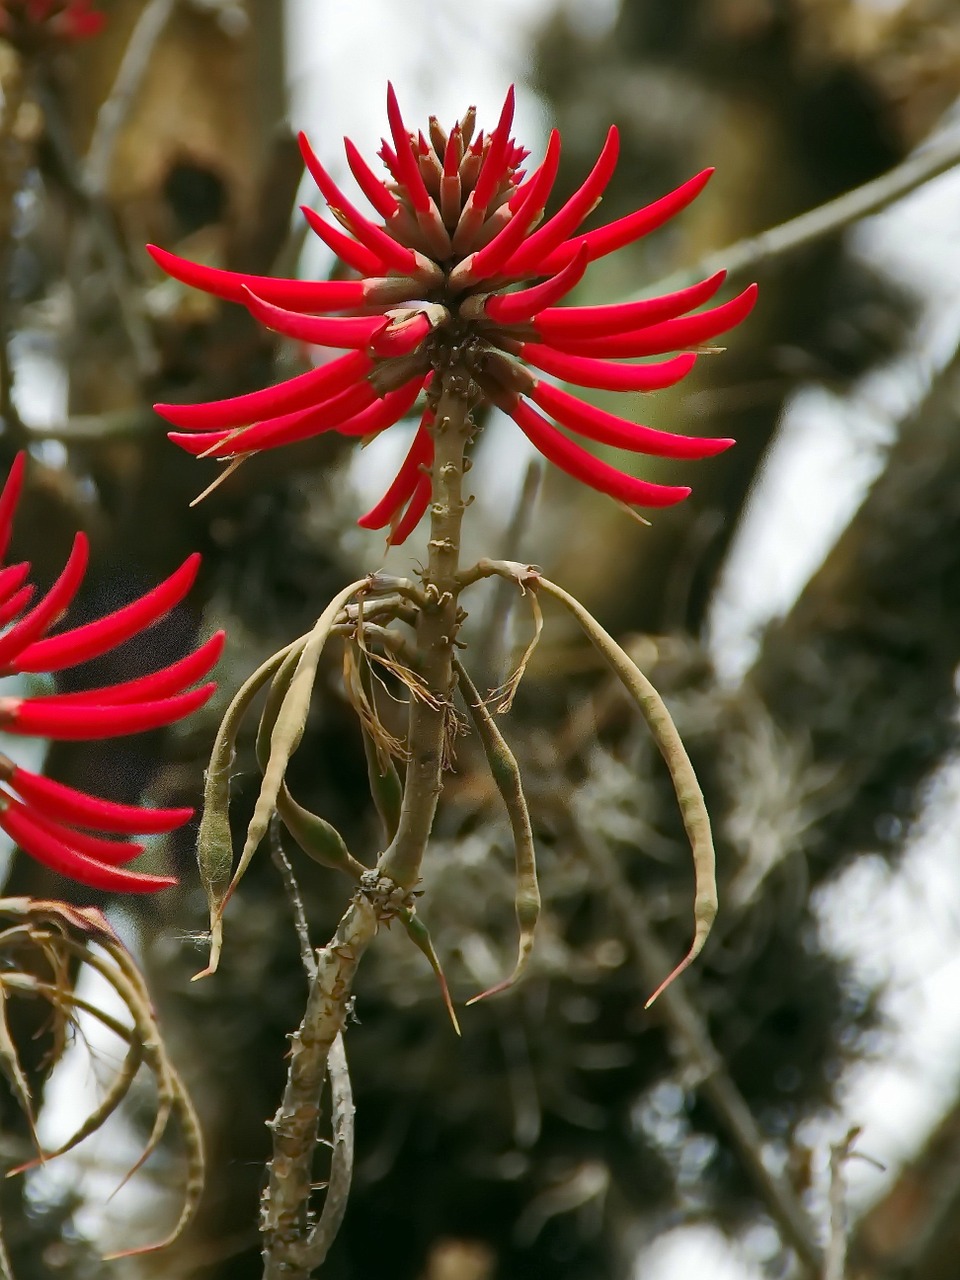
pixel 436 286
pixel 29 22
pixel 49 820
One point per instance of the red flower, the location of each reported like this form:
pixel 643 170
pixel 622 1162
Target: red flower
pixel 30 22
pixel 41 815
pixel 437 278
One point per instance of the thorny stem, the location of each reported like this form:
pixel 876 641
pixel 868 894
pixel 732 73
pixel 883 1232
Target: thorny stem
pixel 289 1253
pixel 437 626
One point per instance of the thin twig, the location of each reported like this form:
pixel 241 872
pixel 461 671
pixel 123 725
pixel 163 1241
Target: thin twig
pixel 105 233
pixel 287 1255
pixel 922 166
pixel 835 1255
pixel 341 1161
pixel 123 94
pixel 282 862
pixel 696 1053
pixel 6 1271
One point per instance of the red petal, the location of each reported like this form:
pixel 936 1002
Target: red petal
pixel 606 428
pixel 408 171
pixel 68 862
pixel 494 258
pixel 94 638
pixel 552 234
pixel 385 412
pixel 67 805
pixel 110 852
pixel 590 322
pixel 587 372
pixel 292 427
pixel 49 609
pixel 296 393
pixel 321 331
pixel 376 191
pixel 232 286
pixel 414 512
pixel 404 485
pixel 87 722
pixel 345 247
pixel 159 684
pixel 19 600
pixel 374 238
pixel 8 500
pixel 401 338
pixel 576 462
pixel 516 308
pixel 625 230
pixel 671 335
pixel 495 162
pixel 11 579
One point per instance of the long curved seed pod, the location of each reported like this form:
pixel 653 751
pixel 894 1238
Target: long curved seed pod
pixel 288 730
pixel 693 810
pixel 214 841
pixel 696 820
pixel 506 775
pixel 316 837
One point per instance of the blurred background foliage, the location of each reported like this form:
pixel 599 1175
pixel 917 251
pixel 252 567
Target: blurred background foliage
pixel 568 1130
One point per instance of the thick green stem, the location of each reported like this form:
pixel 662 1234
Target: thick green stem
pixel 436 631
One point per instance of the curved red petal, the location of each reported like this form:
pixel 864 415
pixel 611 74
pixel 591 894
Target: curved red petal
pixel 390 409
pixel 383 200
pixel 49 609
pixel 17 602
pixel 12 579
pixel 18 824
pixel 606 428
pixel 292 427
pixel 407 170
pixel 405 483
pixel 495 162
pixel 551 235
pixel 9 498
pixel 590 322
pixel 300 392
pixel 298 295
pixel 604 376
pixel 373 237
pixel 416 508
pixel 159 684
pixel 495 258
pixel 94 638
pixel 110 852
pixel 576 462
pixel 57 800
pixel 671 335
pixel 88 723
pixel 519 307
pixel 615 235
pixel 321 331
pixel 343 246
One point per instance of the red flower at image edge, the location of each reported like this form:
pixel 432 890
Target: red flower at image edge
pixel 28 21
pixel 439 272
pixel 50 821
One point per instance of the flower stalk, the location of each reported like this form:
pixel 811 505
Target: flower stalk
pixel 437 626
